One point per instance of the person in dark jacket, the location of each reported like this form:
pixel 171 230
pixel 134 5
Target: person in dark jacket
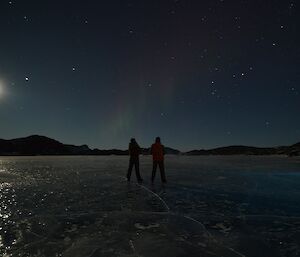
pixel 134 152
pixel 158 152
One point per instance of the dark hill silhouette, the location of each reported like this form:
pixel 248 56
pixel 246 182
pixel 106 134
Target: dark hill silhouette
pixel 296 145
pixel 248 150
pixel 294 150
pixel 233 150
pixel 41 145
pixel 38 145
pixel 168 150
pixel 109 152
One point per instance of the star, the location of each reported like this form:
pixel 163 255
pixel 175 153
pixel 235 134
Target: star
pixel 291 5
pixel 131 56
pixel 293 90
pixel 214 92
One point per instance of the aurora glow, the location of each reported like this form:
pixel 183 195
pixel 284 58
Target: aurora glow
pixel 200 74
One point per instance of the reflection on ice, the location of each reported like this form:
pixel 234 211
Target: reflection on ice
pixel 7 200
pixel 82 206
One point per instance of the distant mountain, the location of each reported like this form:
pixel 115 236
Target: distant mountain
pixel 168 150
pixel 296 145
pixel 41 145
pixel 232 150
pixel 109 152
pixel 294 150
pixel 249 150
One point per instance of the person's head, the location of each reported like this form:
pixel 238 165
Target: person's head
pixel 132 140
pixel 157 140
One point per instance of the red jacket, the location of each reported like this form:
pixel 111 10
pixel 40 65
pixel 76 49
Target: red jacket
pixel 157 151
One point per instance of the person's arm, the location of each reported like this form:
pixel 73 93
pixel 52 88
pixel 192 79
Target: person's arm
pixel 139 149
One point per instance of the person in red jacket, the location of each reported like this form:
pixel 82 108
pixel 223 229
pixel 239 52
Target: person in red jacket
pixel 158 152
pixel 134 152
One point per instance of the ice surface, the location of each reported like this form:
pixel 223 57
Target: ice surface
pixel 211 206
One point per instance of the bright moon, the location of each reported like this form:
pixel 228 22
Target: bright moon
pixel 1 89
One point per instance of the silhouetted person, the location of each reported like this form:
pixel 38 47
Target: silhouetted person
pixel 134 152
pixel 158 152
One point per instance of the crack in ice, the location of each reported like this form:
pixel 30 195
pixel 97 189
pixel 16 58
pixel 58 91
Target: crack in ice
pixel 190 218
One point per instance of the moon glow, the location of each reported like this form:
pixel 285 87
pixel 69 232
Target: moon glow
pixel 2 90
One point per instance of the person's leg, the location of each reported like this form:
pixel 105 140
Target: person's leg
pixel 130 169
pixel 154 167
pixel 162 171
pixel 137 170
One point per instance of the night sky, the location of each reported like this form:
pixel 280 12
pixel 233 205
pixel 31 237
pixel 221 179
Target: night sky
pixel 200 74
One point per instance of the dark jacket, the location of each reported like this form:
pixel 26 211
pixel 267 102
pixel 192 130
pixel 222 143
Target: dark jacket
pixel 134 150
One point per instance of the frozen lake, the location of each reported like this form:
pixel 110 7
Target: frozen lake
pixel 212 206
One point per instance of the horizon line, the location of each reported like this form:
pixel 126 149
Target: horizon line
pixel 195 149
